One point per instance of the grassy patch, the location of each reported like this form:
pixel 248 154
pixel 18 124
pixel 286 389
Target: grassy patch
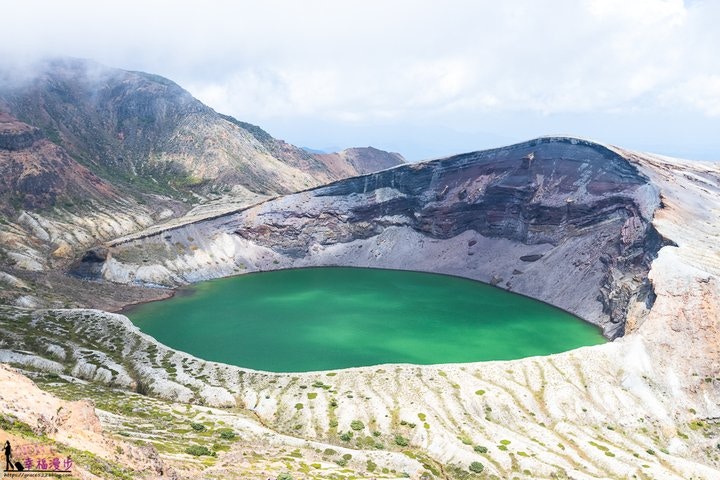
pixel 476 467
pixel 198 451
pixel 198 427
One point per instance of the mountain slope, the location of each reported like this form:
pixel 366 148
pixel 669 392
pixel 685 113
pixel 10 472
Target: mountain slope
pixel 64 429
pixel 51 206
pixel 359 161
pixel 149 134
pixel 36 173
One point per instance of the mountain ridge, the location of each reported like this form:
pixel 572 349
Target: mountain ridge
pixel 135 127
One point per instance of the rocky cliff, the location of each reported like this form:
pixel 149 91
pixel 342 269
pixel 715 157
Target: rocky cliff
pixel 563 220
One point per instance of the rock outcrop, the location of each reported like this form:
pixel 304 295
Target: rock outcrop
pixel 15 135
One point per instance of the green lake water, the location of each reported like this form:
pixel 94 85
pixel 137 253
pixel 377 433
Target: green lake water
pixel 329 318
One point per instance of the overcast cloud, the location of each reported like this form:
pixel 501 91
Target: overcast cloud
pixel 424 78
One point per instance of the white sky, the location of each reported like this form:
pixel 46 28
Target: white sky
pixel 425 78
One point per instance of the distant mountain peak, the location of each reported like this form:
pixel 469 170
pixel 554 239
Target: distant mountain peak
pixel 362 160
pixel 148 134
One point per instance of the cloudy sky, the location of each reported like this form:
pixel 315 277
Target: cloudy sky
pixel 424 78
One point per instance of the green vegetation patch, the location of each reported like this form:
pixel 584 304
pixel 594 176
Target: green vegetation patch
pixel 357 425
pixel 198 451
pixel 476 467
